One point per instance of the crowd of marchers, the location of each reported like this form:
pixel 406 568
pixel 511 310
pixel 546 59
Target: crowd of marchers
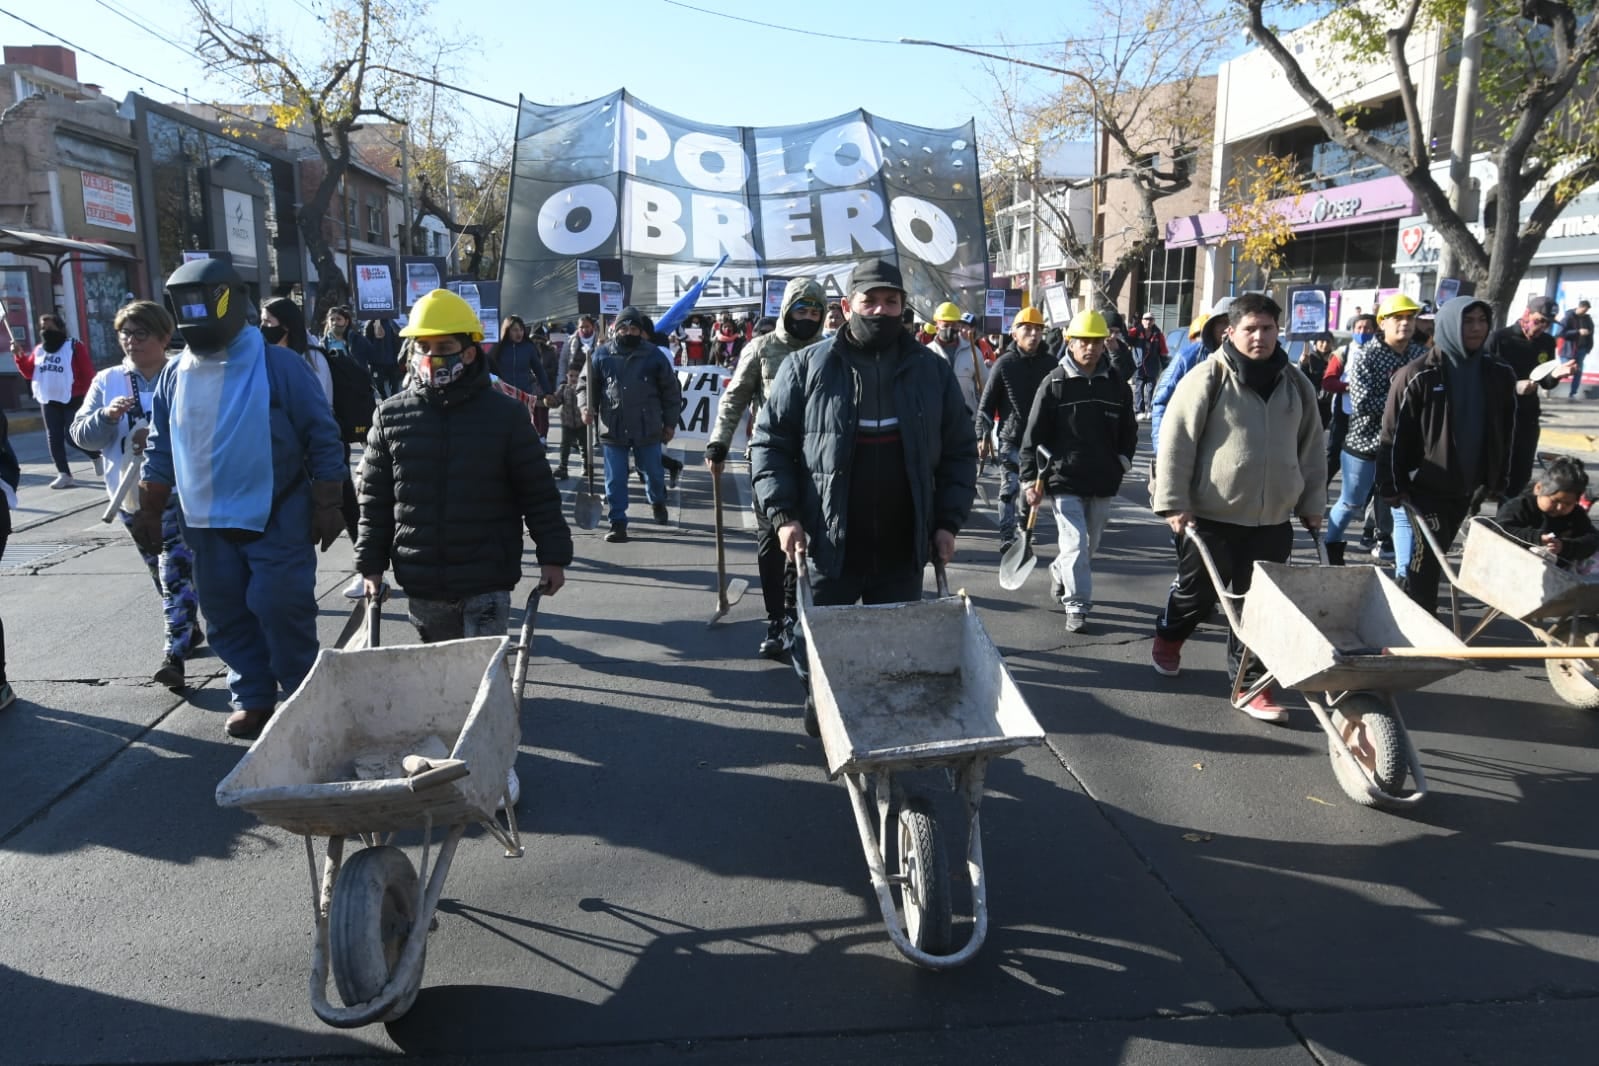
pixel 871 432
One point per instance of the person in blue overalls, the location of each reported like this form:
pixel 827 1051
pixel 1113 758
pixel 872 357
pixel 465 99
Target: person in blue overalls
pixel 250 514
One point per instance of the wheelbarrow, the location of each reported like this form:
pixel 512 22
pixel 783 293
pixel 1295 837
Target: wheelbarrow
pixel 375 742
pixel 902 687
pixel 1337 635
pixel 1515 580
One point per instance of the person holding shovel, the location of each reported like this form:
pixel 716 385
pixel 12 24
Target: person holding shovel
pixel 798 324
pixel 1083 415
pixel 115 421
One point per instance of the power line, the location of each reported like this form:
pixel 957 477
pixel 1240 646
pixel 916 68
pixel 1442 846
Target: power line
pixel 887 40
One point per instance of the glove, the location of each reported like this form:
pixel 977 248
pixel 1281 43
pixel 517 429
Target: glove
pixel 146 525
pixel 716 453
pixel 327 515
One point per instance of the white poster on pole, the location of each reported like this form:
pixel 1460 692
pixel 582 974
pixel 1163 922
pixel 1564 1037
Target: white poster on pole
pixel 702 393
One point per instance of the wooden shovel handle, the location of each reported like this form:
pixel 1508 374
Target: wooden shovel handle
pixel 1480 653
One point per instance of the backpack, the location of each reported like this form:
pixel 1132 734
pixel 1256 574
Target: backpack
pixel 353 398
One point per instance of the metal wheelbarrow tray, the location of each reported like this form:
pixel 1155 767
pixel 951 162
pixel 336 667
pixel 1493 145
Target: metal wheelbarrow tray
pixel 905 686
pixel 333 762
pixel 1512 579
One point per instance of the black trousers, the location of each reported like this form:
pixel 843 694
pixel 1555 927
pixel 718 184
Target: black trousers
pixel 1444 516
pixel 778 576
pixel 1523 447
pixel 1235 549
pixel 57 417
pixel 901 584
pixel 1337 430
pixel 573 439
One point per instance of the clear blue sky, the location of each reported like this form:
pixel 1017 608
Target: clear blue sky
pixel 702 66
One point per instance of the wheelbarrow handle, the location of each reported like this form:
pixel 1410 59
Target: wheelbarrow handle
pixel 1229 600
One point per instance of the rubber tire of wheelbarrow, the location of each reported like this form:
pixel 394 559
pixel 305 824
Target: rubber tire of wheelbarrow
pixel 1387 740
pixel 1570 682
pixel 928 926
pixel 369 921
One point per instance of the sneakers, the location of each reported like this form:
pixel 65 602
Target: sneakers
pixel 356 588
pixel 170 674
pixel 1076 621
pixel 1166 656
pixel 247 725
pixel 772 643
pixel 1265 706
pixel 7 695
pixel 662 515
pixel 63 481
pixel 1384 552
pixel 618 533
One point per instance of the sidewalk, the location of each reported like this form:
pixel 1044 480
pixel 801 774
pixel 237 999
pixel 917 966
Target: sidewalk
pixel 1570 426
pixel 37 502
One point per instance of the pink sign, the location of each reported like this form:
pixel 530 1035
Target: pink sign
pixel 1346 205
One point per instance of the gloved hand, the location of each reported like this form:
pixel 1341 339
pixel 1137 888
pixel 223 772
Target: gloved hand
pixel 327 516
pixel 715 453
pixel 146 525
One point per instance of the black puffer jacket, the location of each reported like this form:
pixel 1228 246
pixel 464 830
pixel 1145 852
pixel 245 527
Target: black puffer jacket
pixel 802 457
pixel 1088 425
pixel 1010 390
pixel 448 480
pixel 635 393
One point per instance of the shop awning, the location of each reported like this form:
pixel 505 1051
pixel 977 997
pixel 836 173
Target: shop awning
pixel 56 250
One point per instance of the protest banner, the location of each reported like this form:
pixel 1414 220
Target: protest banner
pixel 702 393
pixel 617 177
pixel 1309 312
pixel 423 274
pixel 377 287
pixel 773 305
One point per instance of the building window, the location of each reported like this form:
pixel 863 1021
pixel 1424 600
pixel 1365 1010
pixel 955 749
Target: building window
pixel 375 232
pixel 1168 289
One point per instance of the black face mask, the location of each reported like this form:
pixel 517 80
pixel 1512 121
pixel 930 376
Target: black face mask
pixel 273 334
pixel 803 328
pixel 874 332
pixel 946 336
pixel 627 341
pixel 53 339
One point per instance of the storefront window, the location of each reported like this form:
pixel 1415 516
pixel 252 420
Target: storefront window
pixel 1357 257
pixel 1168 288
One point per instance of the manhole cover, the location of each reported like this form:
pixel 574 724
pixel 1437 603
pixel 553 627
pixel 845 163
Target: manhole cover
pixel 28 554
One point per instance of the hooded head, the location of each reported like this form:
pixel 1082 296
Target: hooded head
pixel 1216 325
pixel 207 299
pixel 1453 332
pixel 804 295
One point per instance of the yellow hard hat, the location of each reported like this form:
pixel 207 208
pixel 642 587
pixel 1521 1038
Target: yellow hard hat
pixel 1088 325
pixel 1197 326
pixel 1397 304
pixel 441 313
pixel 1028 316
pixel 947 312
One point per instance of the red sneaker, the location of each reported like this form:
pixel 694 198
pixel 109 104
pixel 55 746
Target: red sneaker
pixel 1167 656
pixel 1265 706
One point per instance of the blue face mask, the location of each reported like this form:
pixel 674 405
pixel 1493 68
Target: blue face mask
pixel 1363 338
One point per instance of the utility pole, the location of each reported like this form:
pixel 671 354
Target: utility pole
pixel 1465 116
pixel 1032 232
pixel 405 190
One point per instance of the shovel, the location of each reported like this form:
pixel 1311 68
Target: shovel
pixel 727 592
pixel 585 505
pixel 124 486
pixel 1474 653
pixel 1018 561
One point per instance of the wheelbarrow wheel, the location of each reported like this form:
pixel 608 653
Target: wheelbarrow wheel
pixel 924 897
pixel 374 905
pixel 1377 740
pixel 1570 680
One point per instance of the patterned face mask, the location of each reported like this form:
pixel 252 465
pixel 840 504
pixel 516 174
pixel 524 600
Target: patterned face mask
pixel 441 371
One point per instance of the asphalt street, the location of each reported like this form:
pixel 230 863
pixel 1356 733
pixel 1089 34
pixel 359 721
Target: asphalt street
pixel 1169 881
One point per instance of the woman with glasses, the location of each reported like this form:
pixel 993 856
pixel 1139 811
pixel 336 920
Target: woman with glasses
pixel 115 420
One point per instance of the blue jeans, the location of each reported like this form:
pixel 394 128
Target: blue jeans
pixel 1079 524
pixel 1358 477
pixel 649 464
pixel 260 599
pixel 1010 487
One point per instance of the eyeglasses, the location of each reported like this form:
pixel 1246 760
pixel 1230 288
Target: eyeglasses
pixel 137 336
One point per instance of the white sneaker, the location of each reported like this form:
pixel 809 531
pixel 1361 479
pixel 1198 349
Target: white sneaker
pixel 63 481
pixel 356 588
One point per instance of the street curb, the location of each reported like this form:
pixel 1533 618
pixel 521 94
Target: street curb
pixel 1567 440
pixel 24 421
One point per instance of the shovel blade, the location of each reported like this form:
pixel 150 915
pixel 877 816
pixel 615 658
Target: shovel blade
pixel 736 589
pixel 1016 564
pixel 585 509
